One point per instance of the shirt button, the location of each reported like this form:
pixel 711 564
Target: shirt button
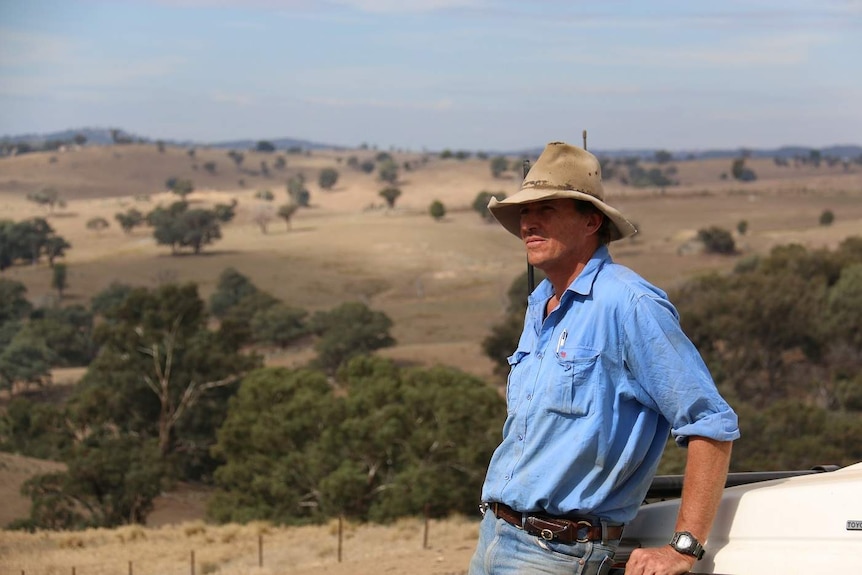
pixel 529 397
pixel 520 438
pixel 539 355
pixel 506 477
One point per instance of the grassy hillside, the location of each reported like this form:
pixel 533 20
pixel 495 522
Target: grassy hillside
pixel 443 283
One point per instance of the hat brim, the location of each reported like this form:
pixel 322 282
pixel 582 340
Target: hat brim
pixel 508 210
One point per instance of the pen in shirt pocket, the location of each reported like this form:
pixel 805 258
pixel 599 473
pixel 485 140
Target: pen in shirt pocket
pixel 561 342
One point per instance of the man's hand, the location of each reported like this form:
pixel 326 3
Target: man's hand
pixel 659 561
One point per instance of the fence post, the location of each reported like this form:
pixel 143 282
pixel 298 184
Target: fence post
pixel 130 568
pixel 340 529
pixel 427 521
pixel 260 550
pixel 193 562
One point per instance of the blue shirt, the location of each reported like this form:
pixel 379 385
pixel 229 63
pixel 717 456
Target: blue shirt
pixel 593 391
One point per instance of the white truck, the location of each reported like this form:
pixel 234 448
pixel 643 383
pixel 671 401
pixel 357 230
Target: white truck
pixel 783 523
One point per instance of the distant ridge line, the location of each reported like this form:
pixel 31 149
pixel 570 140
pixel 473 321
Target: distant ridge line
pixel 105 136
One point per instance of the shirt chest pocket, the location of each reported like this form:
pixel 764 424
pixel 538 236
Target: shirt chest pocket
pixel 574 389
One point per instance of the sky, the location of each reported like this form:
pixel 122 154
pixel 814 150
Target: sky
pixel 436 74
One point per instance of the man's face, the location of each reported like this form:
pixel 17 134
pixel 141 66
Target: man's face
pixel 557 236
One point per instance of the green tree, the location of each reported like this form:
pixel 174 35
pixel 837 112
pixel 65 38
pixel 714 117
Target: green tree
pixel 129 220
pixel 480 204
pixel 286 212
pixel 385 444
pixel 826 218
pixel 13 301
pixel 327 178
pixel 98 224
pixel 59 279
pixel 741 172
pixel 742 227
pixel 112 296
pixel 25 361
pixel 388 171
pixel 844 307
pixel 162 373
pixel 66 331
pixel 278 325
pixel 437 210
pixel 45 197
pixel 111 480
pixel 181 187
pixel 179 227
pixel 264 146
pixel 499 165
pixel 349 330
pixel 717 240
pixel 391 195
pixel 297 192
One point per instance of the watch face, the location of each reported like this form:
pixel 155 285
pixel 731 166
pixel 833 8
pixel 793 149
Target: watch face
pixel 684 542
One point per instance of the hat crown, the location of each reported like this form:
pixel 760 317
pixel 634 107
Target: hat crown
pixel 565 167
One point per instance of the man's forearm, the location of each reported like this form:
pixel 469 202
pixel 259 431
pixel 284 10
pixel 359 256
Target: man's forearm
pixel 705 475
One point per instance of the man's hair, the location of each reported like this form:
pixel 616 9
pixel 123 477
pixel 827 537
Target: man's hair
pixel 604 232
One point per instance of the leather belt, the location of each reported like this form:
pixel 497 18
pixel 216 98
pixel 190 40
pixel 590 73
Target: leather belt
pixel 565 530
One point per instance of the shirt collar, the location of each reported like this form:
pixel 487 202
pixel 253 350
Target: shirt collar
pixel 583 284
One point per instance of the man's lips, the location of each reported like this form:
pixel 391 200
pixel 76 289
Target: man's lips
pixel 530 241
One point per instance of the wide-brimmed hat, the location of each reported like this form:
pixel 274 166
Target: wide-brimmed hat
pixel 561 171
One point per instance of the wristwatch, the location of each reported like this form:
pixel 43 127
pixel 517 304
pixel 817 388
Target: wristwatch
pixel 685 543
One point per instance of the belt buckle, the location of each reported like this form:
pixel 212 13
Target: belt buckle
pixel 588 526
pixel 546 534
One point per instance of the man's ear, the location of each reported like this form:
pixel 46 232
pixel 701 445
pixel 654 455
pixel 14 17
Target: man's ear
pixel 594 221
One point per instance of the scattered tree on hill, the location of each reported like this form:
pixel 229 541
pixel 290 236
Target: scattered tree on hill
pixel 480 204
pixel 265 195
pixel 98 224
pixel 742 227
pixel 59 279
pixel 130 220
pixel 28 241
pixel 717 240
pixel 826 218
pixel 388 171
pixel 264 146
pixel 348 330
pixel 741 172
pixel 179 227
pixel 499 165
pixel 237 158
pixel 262 215
pixel 225 212
pixel 328 177
pixel 297 192
pixel 179 186
pixel 391 195
pixel 46 197
pixel 663 157
pixel 210 167
pixel 286 212
pixel 437 210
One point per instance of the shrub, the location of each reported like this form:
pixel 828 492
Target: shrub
pixel 826 218
pixel 717 240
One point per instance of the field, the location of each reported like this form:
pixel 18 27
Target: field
pixel 443 283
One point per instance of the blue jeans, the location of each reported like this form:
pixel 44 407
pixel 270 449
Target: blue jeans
pixel 503 549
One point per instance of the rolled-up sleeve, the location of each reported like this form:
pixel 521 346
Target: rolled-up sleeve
pixel 669 375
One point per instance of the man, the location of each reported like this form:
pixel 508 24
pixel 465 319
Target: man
pixel 602 373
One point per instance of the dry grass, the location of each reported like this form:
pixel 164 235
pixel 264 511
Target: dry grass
pixel 443 283
pixel 235 549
